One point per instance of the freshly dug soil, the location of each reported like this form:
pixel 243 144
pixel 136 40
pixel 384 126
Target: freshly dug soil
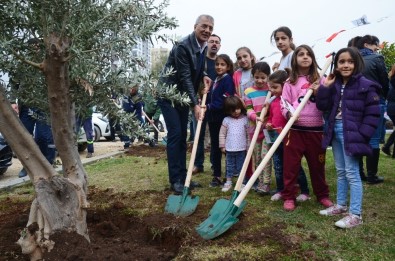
pixel 117 234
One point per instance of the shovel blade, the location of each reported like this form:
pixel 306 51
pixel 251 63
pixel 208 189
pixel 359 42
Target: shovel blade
pixel 182 205
pixel 217 224
pixel 222 205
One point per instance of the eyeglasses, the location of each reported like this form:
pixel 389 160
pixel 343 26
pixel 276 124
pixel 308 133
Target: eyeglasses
pixel 212 41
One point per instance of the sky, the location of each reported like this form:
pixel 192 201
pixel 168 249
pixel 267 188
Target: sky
pixel 251 22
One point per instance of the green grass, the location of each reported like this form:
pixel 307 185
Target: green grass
pixel 265 230
pixel 315 234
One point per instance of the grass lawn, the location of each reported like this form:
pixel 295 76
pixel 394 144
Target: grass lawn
pixel 265 230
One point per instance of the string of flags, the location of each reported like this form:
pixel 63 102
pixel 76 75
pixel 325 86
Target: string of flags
pixel 363 20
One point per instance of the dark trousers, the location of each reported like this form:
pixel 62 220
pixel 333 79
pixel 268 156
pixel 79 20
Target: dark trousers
pixel 278 163
pixel 35 122
pixel 199 160
pixel 216 154
pixel 176 119
pixel 88 128
pixel 296 145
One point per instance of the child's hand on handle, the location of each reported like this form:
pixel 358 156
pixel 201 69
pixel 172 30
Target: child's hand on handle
pixel 275 66
pixel 329 80
pixel 207 83
pixel 269 126
pixel 314 86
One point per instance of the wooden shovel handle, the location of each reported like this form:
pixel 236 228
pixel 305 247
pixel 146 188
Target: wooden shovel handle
pixel 153 125
pixel 194 147
pixel 252 144
pixel 279 139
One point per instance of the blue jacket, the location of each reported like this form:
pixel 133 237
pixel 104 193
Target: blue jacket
pixel 360 112
pixel 187 61
pixel 133 105
pixel 219 90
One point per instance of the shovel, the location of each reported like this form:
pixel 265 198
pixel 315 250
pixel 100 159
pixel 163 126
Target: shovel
pixel 223 205
pixel 219 223
pixel 184 205
pixel 164 139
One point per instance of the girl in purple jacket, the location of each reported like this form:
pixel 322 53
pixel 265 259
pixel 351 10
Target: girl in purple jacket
pixel 351 103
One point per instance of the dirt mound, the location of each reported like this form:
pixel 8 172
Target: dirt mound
pixel 119 231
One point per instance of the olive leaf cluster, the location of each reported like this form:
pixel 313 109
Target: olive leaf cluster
pixel 101 35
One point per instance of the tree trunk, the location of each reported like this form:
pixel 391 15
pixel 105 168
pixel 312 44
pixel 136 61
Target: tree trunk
pixel 60 202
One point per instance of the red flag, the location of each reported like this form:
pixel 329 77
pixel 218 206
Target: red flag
pixel 333 36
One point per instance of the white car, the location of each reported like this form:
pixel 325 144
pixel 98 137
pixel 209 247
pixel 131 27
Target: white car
pixel 101 126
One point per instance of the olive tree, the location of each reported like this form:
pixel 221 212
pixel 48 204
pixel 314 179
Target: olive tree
pixel 82 48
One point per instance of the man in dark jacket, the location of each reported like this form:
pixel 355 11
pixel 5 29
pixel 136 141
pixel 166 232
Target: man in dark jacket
pixel 187 60
pixel 376 71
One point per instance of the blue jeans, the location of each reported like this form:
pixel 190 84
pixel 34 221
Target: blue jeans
pixel 234 162
pixel 347 168
pixel 278 161
pixel 35 122
pixel 176 119
pixel 87 125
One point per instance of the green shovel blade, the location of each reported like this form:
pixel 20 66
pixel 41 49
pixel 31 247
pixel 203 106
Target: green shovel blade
pixel 218 223
pixel 182 205
pixel 223 206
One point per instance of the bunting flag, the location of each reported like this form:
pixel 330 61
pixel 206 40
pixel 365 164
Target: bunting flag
pixel 360 21
pixel 330 38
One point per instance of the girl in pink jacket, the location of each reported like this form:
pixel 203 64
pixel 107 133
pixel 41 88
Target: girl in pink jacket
pixel 305 136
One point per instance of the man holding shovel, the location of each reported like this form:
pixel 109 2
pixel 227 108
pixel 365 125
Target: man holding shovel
pixel 187 59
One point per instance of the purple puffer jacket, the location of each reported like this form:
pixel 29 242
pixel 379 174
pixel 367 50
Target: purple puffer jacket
pixel 360 113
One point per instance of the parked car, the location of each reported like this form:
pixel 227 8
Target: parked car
pixel 5 155
pixel 101 126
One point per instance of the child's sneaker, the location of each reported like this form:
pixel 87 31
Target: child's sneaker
pixel 216 182
pixel 326 202
pixel 289 205
pixel 349 221
pixel 334 210
pixel 302 198
pixel 263 189
pixel 276 197
pixel 227 186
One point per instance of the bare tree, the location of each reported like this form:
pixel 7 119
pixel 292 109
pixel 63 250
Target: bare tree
pixel 79 42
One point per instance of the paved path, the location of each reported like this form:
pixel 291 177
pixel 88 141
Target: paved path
pixel 103 149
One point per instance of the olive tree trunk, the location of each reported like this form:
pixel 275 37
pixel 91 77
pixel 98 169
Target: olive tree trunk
pixel 60 203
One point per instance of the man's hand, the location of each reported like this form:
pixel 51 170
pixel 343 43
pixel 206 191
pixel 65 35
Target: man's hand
pixel 15 107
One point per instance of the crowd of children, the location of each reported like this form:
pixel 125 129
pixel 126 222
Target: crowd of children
pixel 344 102
pixel 343 112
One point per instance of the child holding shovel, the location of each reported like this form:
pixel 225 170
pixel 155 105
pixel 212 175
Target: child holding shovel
pixel 276 121
pixel 305 136
pixel 255 98
pixel 233 138
pixel 352 103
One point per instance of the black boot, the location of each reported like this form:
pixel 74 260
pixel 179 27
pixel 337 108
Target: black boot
pixel 387 145
pixel 361 171
pixel 372 163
